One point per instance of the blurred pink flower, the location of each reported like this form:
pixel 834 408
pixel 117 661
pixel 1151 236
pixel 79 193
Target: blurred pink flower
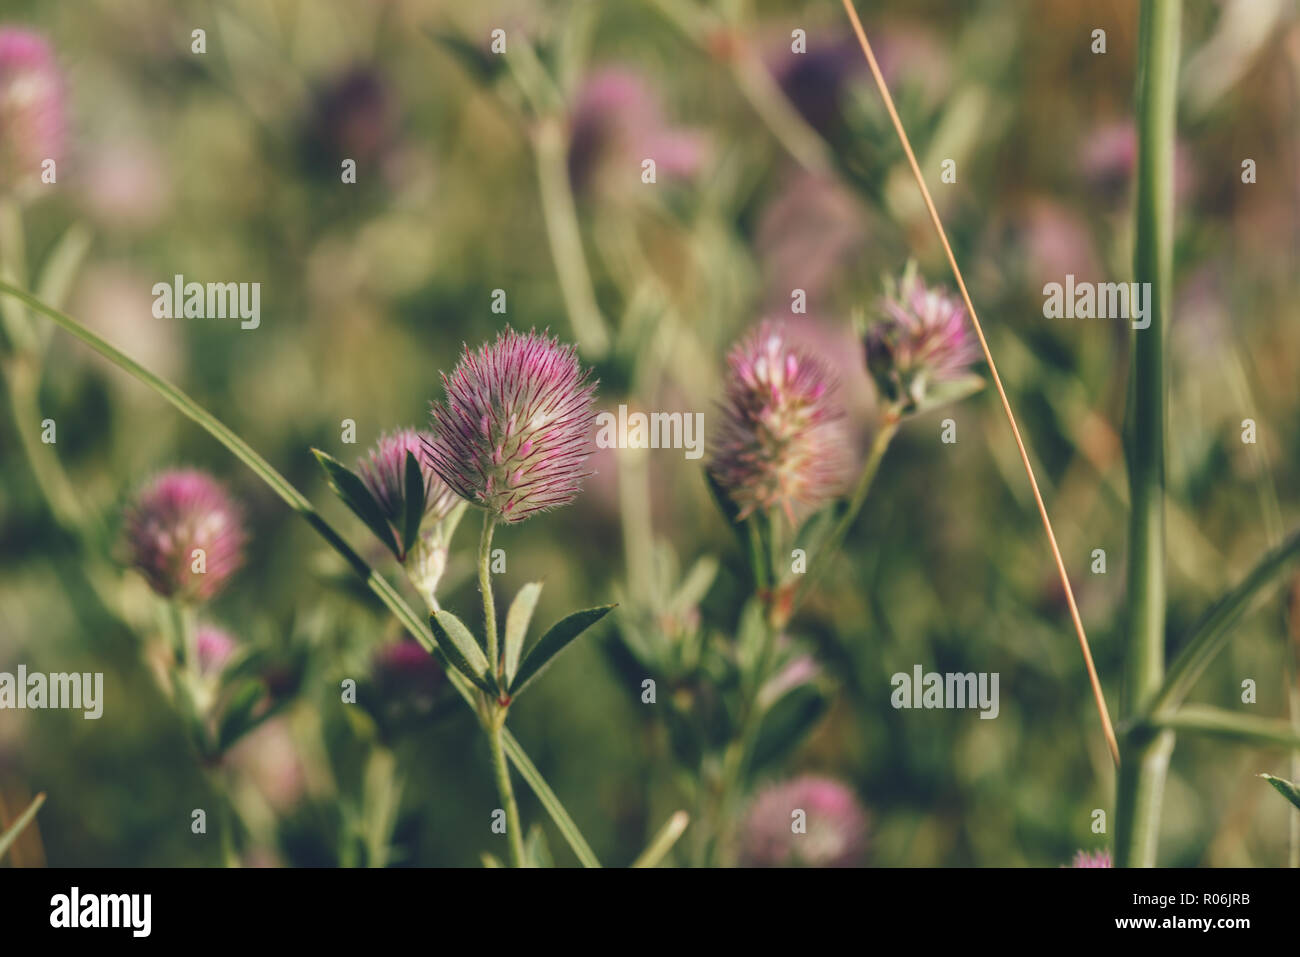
pixel 115 302
pixel 125 184
pixel 31 107
pixel 214 648
pixel 405 672
pixel 353 117
pixel 806 234
pixel 1091 859
pixel 269 756
pixel 185 535
pixel 782 439
pixel 815 81
pixel 616 123
pixel 920 345
pixel 834 832
pixel 1108 161
pixel 1053 240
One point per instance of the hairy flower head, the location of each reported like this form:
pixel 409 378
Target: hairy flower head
pixel 31 107
pixel 383 470
pixel 185 534
pixel 515 431
pixel 834 832
pixel 782 439
pixel 920 349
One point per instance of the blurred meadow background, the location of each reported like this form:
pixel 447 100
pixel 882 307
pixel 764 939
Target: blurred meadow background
pixel 775 171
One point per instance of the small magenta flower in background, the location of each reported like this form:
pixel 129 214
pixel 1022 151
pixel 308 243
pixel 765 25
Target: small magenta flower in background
pixel 516 429
pixel 31 107
pixel 617 122
pixel 782 439
pixel 1092 859
pixel 214 648
pixel 185 534
pixel 383 470
pixel 830 832
pixel 407 679
pixel 920 349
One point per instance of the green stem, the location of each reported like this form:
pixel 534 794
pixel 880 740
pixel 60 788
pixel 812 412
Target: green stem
pixel 757 552
pixel 379 585
pixel 663 841
pixel 1216 722
pixel 23 385
pixel 514 833
pixel 777 113
pixel 635 523
pixel 13 268
pixel 1212 631
pixel 226 816
pixel 559 816
pixel 8 837
pixel 551 146
pixel 187 638
pixel 739 752
pixel 1145 755
pixel 754 82
pixel 485 587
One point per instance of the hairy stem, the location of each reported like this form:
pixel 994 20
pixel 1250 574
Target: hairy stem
pixel 514 833
pixel 485 587
pixel 551 146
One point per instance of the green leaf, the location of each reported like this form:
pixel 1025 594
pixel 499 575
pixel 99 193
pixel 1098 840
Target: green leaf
pixel 553 642
pixel 490 860
pixel 517 619
pixel 695 585
pixel 1232 725
pixel 790 719
pixel 461 649
pixel 938 394
pixel 190 717
pixel 62 264
pixel 537 853
pixel 663 841
pixel 1284 787
pixel 414 502
pixel 11 835
pixel 548 799
pixel 1212 632
pixel 750 632
pixel 452 520
pixel 237 717
pixel 729 509
pixel 348 486
pixel 476 61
